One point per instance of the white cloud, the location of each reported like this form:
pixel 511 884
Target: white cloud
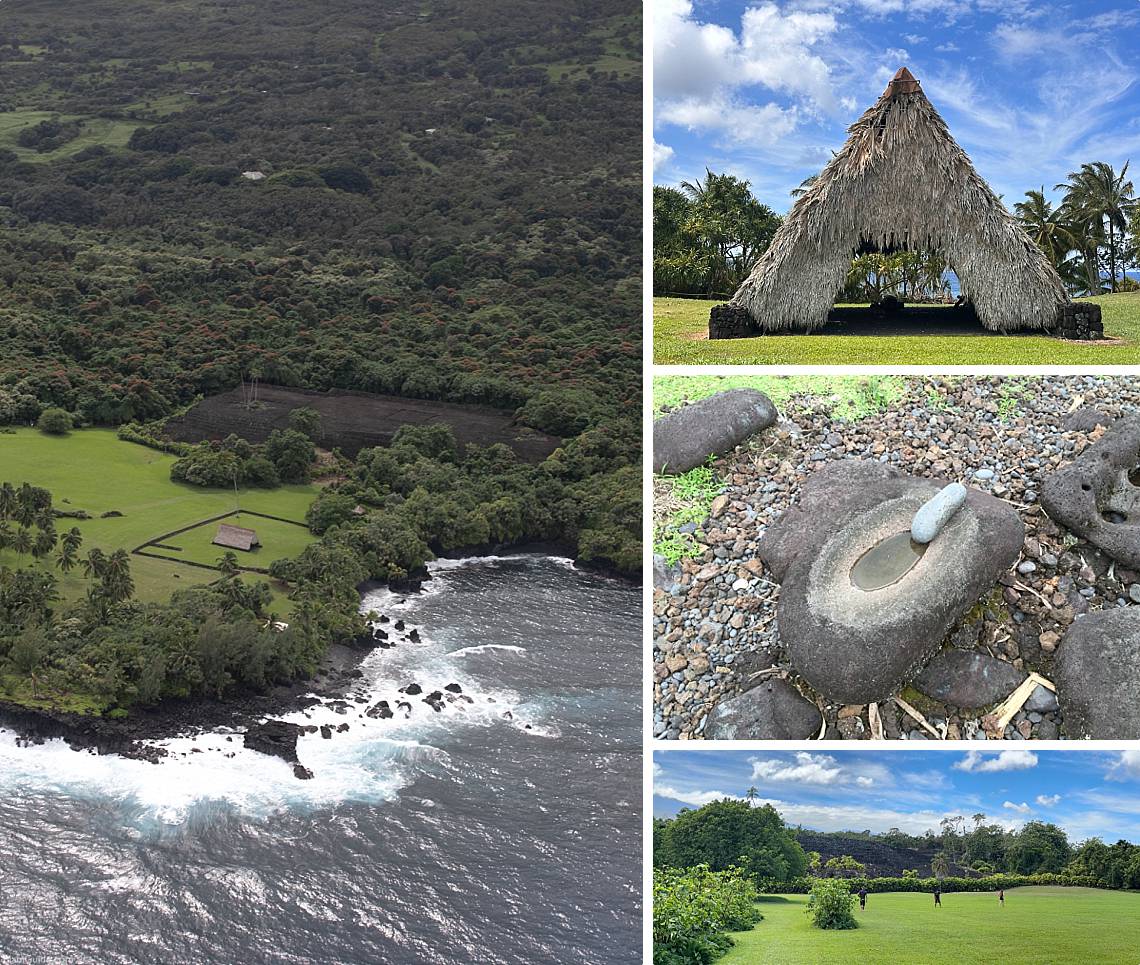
pixel 816 769
pixel 864 781
pixel 738 121
pixel 1021 808
pixel 1126 767
pixel 1048 800
pixel 977 763
pixel 701 70
pixel 695 799
pixel 662 153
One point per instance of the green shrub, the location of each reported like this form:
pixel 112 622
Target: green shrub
pixel 693 911
pixel 55 422
pixel 831 904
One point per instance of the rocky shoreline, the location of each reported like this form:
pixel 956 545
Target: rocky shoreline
pixel 253 717
pixel 714 616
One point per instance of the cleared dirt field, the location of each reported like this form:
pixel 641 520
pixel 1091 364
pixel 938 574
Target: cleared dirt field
pixel 353 421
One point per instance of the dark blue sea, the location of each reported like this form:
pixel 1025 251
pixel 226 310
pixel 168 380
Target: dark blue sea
pixel 502 829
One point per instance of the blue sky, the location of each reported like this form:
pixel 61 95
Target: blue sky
pixel 767 90
pixel 1088 793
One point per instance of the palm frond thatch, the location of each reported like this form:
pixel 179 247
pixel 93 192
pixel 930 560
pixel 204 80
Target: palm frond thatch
pixel 901 182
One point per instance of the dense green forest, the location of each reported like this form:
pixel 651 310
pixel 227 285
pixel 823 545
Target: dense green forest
pixel 965 854
pixel 434 201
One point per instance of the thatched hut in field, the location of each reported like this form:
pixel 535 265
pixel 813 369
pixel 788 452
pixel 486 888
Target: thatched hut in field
pixel 900 182
pixel 236 538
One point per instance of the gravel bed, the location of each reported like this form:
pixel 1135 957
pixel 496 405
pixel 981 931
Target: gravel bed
pixel 714 616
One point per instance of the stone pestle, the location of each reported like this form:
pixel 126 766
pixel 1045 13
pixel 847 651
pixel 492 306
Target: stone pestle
pixel 936 512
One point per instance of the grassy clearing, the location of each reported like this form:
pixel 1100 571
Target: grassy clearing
pixel 94 471
pixel 681 505
pixel 847 397
pixel 279 540
pixel 1038 926
pixel 106 131
pixel 680 337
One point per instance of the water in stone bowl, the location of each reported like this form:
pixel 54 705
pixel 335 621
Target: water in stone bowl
pixel 887 562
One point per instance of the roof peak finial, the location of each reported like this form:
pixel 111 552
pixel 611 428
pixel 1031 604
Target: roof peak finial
pixel 904 82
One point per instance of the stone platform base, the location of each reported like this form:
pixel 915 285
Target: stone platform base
pixel 728 321
pixel 1078 321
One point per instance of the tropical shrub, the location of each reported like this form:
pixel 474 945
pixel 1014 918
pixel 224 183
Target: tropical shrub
pixel 831 904
pixel 693 911
pixel 54 422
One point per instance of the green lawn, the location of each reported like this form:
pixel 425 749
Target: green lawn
pixel 1037 926
pixel 94 471
pixel 846 396
pixel 680 337
pixel 106 131
pixel 279 540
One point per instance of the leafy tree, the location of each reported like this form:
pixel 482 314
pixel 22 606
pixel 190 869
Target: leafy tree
pixel 306 420
pixel 831 904
pixel 731 833
pixel 291 453
pixel 54 422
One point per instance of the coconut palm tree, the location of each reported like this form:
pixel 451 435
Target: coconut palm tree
pixel 7 501
pixel 65 560
pixel 1100 197
pixel 44 543
pixel 23 542
pixel 117 580
pixel 94 564
pixel 1044 225
pixel 228 565
pixel 72 539
pixel 939 865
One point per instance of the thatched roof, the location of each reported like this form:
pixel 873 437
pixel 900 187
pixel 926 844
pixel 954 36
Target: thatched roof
pixel 237 538
pixel 901 181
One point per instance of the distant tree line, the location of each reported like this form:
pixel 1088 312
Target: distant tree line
pixel 734 833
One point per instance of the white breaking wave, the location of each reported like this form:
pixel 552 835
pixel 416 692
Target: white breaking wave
pixel 369 762
pixel 487 648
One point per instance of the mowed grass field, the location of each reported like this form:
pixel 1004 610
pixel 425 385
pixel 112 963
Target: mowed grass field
pixel 94 471
pixel 1037 926
pixel 105 131
pixel 681 326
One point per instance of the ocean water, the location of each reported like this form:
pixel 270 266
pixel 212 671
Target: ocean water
pixel 503 828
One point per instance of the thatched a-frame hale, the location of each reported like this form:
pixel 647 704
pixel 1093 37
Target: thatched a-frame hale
pixel 900 182
pixel 236 538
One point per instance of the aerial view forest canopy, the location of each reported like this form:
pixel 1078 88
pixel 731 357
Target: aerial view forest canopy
pixel 438 202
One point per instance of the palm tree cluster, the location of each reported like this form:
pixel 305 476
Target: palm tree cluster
pixel 27 527
pixel 707 235
pixel 1086 235
pixel 27 524
pixel 911 276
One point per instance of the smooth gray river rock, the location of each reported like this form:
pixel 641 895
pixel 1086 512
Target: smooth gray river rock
pixel 936 512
